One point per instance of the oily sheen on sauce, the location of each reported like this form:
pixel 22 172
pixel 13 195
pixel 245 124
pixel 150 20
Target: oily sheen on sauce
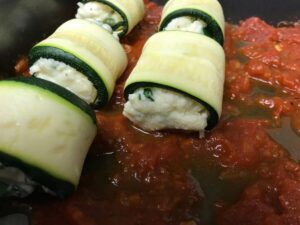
pixel 239 172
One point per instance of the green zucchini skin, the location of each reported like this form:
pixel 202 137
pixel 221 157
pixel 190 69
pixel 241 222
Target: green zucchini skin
pixel 213 115
pixel 57 54
pixel 61 188
pixel 213 30
pixel 114 7
pixel 60 91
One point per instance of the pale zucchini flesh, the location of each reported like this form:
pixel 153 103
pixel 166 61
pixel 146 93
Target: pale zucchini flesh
pixel 96 40
pixel 184 62
pixel 89 49
pixel 48 132
pixel 209 11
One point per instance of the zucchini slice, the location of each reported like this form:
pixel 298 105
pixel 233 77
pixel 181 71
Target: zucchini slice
pixel 208 11
pixel 46 133
pixel 184 62
pixel 131 11
pixel 89 49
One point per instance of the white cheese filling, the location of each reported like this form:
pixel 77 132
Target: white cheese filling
pixel 157 109
pixel 186 23
pixel 17 183
pixel 100 14
pixel 65 76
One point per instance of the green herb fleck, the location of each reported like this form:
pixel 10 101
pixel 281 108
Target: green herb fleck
pixel 110 21
pixel 118 26
pixel 148 94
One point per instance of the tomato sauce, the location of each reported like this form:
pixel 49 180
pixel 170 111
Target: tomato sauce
pixel 240 173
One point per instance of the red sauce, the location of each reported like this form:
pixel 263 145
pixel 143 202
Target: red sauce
pixel 236 174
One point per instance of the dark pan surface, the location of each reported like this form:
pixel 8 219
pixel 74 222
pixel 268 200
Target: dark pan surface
pixel 273 11
pixel 24 22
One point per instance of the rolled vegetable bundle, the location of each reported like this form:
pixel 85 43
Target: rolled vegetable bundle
pixel 199 16
pixel 177 83
pixel 46 132
pixel 48 122
pixel 120 15
pixel 82 57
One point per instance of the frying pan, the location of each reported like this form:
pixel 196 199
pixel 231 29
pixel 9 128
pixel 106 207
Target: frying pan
pixel 25 22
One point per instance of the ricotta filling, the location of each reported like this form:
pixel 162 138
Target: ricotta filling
pixel 65 76
pixel 187 23
pixel 14 182
pixel 158 109
pixel 101 14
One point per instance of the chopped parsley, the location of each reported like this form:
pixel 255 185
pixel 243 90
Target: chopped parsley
pixel 148 94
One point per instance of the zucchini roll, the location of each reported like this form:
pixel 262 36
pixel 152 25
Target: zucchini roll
pixel 199 16
pixel 118 16
pixel 46 132
pixel 82 57
pixel 177 83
